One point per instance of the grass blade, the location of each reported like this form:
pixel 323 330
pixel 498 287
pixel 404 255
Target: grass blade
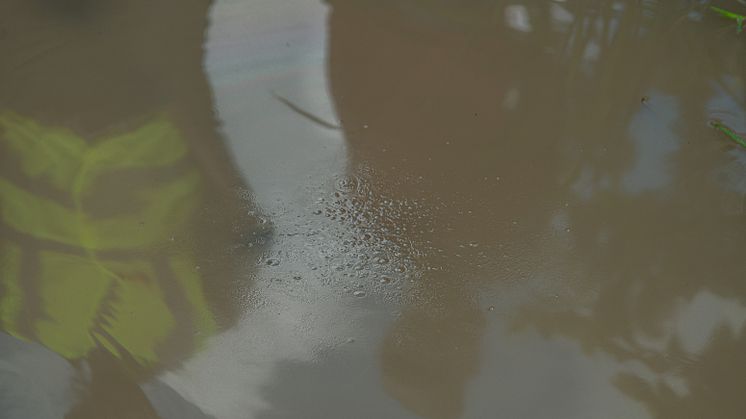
pixel 729 132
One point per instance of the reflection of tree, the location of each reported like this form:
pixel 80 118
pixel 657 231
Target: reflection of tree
pixel 647 253
pixel 119 205
pixel 418 91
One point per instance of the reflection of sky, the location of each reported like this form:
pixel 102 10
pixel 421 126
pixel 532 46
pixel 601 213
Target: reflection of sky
pixel 516 17
pixel 295 323
pixel 530 376
pixel 654 142
pixel 561 17
pixel 34 381
pixel 257 49
pixel 252 40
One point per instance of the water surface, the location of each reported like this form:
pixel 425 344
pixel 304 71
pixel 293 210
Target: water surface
pixel 398 209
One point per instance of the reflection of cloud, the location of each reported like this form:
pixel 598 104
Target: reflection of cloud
pixel 654 143
pixel 699 318
pixel 527 375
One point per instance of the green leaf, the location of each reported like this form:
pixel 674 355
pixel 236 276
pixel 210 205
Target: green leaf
pixel 156 144
pixel 727 14
pixel 54 154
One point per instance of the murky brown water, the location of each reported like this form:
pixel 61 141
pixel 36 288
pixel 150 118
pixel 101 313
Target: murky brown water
pixel 358 209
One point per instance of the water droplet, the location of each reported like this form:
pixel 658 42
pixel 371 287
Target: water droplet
pixel 491 308
pixel 359 294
